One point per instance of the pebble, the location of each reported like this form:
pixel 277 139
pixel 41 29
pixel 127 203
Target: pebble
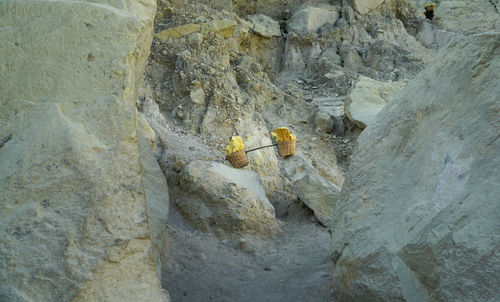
pixel 178 166
pixel 242 244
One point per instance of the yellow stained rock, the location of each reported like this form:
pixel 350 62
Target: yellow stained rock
pixel 235 145
pixel 224 27
pixel 282 134
pixel 179 31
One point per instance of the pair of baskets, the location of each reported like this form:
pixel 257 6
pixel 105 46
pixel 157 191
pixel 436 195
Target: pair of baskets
pixel 239 159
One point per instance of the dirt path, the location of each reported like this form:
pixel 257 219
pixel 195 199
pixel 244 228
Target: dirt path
pixel 293 266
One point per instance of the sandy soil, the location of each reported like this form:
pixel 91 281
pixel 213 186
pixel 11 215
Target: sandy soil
pixel 292 266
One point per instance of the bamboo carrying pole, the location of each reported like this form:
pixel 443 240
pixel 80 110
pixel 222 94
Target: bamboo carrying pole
pixel 260 148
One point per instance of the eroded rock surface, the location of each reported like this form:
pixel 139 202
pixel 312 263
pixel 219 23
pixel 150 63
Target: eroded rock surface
pixel 418 220
pixel 367 98
pixel 315 191
pixel 312 18
pixel 265 26
pixel 74 221
pixel 364 6
pixel 225 200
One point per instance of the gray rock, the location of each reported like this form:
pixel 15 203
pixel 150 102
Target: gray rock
pixel 197 96
pixel 418 219
pixel 431 36
pixel 350 56
pixel 329 62
pixel 330 56
pixel 265 26
pixel 195 40
pixel 470 16
pixel 367 97
pixel 76 188
pixel 312 18
pixel 324 121
pixel 315 191
pixel 364 6
pixel 293 59
pixel 224 200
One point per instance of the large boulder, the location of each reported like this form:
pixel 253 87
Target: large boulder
pixel 468 16
pixel 418 219
pixel 432 36
pixel 76 188
pixel 265 26
pixel 365 6
pixel 319 194
pixel 227 201
pixel 471 16
pixel 312 18
pixel 367 97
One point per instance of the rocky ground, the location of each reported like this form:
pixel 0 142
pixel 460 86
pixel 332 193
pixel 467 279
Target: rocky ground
pixel 242 69
pixel 115 116
pixel 203 86
pixel 291 266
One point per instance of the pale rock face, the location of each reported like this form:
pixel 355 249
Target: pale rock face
pixel 312 18
pixel 418 219
pixel 364 6
pixel 330 57
pixel 471 16
pixel 195 40
pixel 350 57
pixel 74 211
pixel 315 191
pixel 431 36
pixel 481 15
pixel 224 28
pixel 225 200
pixel 324 121
pixel 265 26
pixel 197 96
pixel 367 97
pixel 293 59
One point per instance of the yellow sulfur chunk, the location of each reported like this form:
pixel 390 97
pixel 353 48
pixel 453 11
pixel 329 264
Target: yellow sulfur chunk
pixel 235 145
pixel 282 134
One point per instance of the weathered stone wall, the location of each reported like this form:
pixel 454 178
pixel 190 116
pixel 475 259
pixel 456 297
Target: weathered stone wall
pixel 73 213
pixel 418 220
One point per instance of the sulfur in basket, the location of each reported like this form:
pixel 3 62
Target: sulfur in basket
pixel 285 141
pixel 238 159
pixel 235 152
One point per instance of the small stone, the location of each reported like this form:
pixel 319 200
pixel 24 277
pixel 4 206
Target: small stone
pixel 197 96
pixel 178 166
pixel 242 244
pixel 164 52
pixel 195 39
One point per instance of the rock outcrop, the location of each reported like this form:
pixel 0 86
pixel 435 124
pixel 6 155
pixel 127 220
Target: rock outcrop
pixel 364 6
pixel 225 200
pixel 319 194
pixel 367 97
pixel 265 26
pixel 312 18
pixel 418 219
pixel 81 203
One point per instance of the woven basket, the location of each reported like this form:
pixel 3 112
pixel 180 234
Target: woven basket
pixel 286 148
pixel 238 159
